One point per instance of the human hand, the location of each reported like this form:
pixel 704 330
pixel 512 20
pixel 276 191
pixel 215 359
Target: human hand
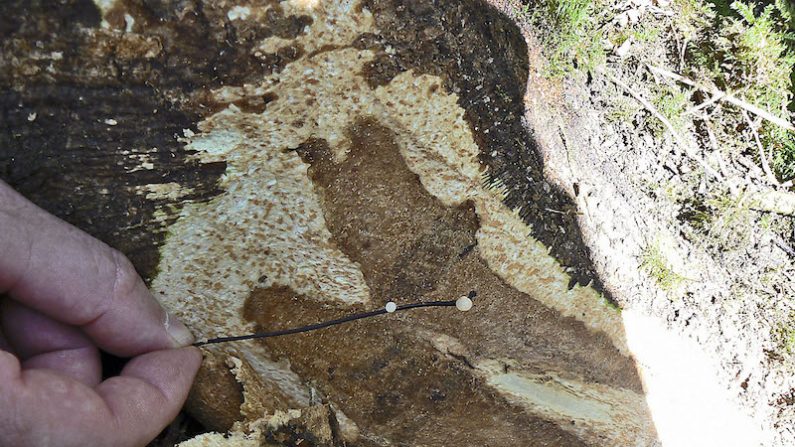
pixel 68 296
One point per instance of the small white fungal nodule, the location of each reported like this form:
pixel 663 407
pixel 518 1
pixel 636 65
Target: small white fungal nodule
pixel 463 303
pixel 390 307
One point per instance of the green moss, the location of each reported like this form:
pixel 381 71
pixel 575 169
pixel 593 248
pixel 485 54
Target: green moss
pixel 647 32
pixel 671 102
pixel 692 18
pixel 622 110
pixel 655 263
pixel 784 335
pixel 765 222
pixel 731 221
pixel 789 340
pixel 609 304
pixel 722 220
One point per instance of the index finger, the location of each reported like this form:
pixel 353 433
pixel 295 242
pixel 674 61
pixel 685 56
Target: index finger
pixel 71 277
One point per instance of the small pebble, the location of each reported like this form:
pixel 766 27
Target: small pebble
pixel 463 304
pixel 391 307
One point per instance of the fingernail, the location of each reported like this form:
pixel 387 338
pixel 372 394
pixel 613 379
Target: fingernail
pixel 178 332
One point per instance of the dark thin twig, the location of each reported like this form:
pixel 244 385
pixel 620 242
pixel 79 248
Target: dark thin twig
pixel 325 324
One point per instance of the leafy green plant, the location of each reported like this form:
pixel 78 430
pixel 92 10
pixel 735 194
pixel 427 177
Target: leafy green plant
pixel 742 47
pixel 760 56
pixel 745 48
pixel 693 17
pixel 646 32
pixel 782 143
pixel 570 34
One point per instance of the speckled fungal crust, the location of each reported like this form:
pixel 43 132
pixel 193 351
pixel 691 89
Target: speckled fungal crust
pixel 272 164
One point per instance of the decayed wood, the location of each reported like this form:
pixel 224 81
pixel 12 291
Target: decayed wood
pixel 259 169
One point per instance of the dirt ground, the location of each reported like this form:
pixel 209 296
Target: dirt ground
pixel 708 256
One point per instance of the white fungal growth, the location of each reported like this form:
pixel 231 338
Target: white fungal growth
pixel 129 22
pixel 390 307
pixel 239 13
pixel 463 303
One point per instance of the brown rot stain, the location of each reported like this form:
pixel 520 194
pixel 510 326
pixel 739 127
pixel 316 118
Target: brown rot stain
pixel 411 246
pixel 253 104
pixel 220 386
pixel 391 383
pixel 382 218
pixel 316 427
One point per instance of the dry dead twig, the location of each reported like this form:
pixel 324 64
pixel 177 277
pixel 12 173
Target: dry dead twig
pixel 713 141
pixel 763 157
pixel 779 202
pixel 725 97
pixel 653 110
pixel 715 98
